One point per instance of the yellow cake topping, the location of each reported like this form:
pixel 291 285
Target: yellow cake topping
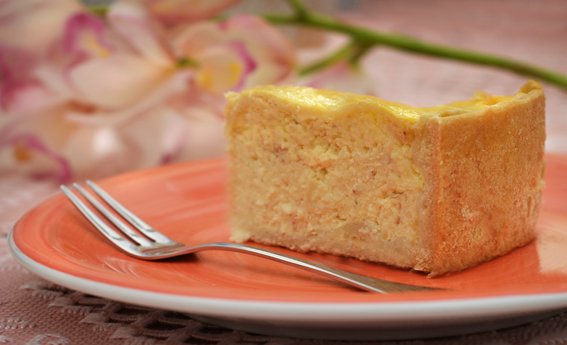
pixel 327 101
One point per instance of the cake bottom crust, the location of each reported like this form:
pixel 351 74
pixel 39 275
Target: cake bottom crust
pixel 402 257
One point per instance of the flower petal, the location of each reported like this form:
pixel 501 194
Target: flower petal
pixel 34 25
pixel 27 153
pixel 248 62
pixel 85 36
pixel 161 94
pixel 266 53
pixel 153 124
pixel 205 135
pixel 25 97
pixel 15 64
pixel 138 29
pixel 195 38
pixel 182 11
pixel 54 80
pixel 271 49
pixel 117 81
pixel 224 68
pixel 99 151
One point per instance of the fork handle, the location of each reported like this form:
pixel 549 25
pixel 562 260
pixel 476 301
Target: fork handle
pixel 353 279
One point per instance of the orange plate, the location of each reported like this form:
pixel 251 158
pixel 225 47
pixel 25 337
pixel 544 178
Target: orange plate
pixel 188 202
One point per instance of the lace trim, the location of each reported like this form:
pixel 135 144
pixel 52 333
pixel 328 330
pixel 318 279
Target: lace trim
pixel 144 326
pixel 139 325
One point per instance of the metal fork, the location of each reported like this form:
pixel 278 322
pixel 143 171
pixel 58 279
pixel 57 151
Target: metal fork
pixel 146 243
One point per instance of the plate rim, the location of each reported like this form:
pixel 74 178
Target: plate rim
pixel 456 310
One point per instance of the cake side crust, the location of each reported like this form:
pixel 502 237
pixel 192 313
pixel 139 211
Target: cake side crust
pixel 488 182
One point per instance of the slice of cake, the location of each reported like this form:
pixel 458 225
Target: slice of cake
pixel 435 189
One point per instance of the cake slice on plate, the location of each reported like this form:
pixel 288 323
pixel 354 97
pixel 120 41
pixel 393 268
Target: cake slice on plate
pixel 434 189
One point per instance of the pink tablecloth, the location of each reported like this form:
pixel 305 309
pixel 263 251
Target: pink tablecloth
pixel 34 311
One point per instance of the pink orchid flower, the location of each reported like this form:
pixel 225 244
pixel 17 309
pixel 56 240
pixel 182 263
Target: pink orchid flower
pixel 109 95
pixel 121 64
pixel 240 52
pixel 91 69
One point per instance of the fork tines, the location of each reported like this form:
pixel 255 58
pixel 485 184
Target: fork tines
pixel 126 238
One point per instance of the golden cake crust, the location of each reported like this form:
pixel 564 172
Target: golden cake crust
pixel 487 181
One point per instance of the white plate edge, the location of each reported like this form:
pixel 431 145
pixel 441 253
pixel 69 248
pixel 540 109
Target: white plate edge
pixel 460 309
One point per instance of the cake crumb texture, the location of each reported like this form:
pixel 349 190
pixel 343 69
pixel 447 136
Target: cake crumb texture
pixel 435 189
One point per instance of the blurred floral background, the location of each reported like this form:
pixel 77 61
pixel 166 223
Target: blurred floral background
pixel 90 89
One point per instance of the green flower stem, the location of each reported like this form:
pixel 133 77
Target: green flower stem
pixel 186 62
pixel 298 8
pixel 369 38
pixel 350 52
pixel 99 10
pixel 344 53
